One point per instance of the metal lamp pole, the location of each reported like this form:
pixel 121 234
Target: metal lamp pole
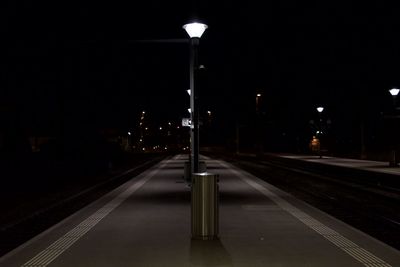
pixel 258 128
pixel 195 30
pixel 393 160
pixel 320 109
pixel 257 102
pixel 194 128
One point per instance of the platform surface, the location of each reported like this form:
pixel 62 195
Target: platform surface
pixel 366 165
pixel 146 222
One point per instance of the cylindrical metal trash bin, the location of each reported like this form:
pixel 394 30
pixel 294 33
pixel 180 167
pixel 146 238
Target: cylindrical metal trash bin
pixel 205 206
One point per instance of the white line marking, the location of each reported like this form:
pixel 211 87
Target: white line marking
pixel 363 256
pixel 58 247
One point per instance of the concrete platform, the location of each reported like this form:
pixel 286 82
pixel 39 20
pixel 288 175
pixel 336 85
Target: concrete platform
pixel 146 222
pixel 366 165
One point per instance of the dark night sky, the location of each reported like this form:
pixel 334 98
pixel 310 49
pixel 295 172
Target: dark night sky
pixel 73 63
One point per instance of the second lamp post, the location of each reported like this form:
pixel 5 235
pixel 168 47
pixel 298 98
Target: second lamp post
pixel 393 155
pixel 319 133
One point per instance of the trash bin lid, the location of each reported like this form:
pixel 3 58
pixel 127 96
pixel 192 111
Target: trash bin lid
pixel 205 174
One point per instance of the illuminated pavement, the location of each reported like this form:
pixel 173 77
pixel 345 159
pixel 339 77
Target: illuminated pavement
pixel 146 222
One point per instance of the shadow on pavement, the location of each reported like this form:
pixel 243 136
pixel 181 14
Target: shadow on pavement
pixel 209 253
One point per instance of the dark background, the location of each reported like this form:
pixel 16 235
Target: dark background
pixel 71 68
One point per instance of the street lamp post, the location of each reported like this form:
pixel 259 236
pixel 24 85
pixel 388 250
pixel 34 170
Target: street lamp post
pixel 127 140
pixel 258 96
pixel 320 109
pixel 259 149
pixel 195 30
pixel 393 160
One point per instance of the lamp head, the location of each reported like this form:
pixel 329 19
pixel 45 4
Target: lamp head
pixel 320 109
pixel 394 91
pixel 195 29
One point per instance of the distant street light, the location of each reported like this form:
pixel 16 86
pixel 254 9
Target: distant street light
pixel 320 109
pixel 258 96
pixel 259 149
pixel 393 157
pixel 141 126
pixel 319 133
pixel 195 30
pixel 394 92
pixel 127 141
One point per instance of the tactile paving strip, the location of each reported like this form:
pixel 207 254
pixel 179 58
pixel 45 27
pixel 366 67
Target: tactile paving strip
pixel 49 254
pixel 363 256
